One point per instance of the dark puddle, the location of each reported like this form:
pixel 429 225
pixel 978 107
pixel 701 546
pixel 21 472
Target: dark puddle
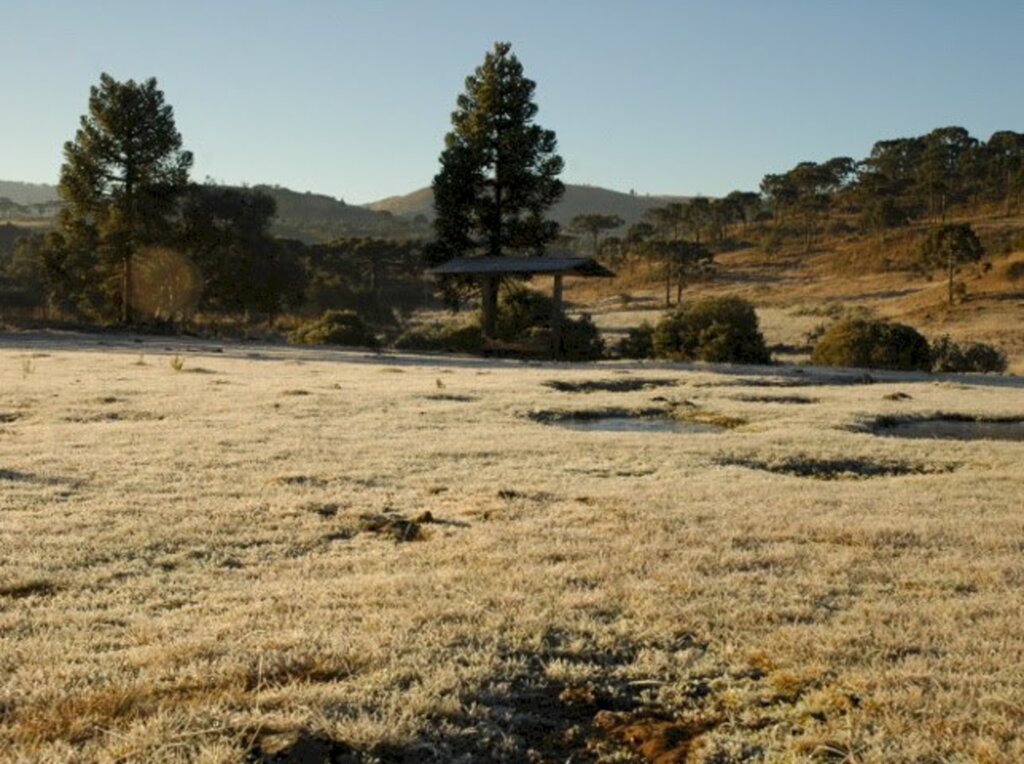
pixel 838 469
pixel 609 385
pixel 951 427
pixel 800 380
pixel 795 399
pixel 634 424
pixel 623 420
pixel 451 397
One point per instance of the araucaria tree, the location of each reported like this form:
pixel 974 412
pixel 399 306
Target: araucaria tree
pixel 949 246
pixel 121 178
pixel 499 170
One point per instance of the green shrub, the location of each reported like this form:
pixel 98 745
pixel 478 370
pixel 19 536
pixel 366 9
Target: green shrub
pixel 872 344
pixel 449 338
pixel 522 328
pixel 519 310
pixel 524 316
pixel 335 327
pixel 638 343
pixel 581 339
pixel 715 329
pixel 772 241
pixel 947 355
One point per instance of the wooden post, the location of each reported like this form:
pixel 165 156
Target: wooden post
pixel 489 305
pixel 126 290
pixel 556 318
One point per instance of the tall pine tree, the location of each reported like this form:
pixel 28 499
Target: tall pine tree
pixel 499 170
pixel 121 177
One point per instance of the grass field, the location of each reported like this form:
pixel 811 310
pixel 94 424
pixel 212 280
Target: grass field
pixel 269 554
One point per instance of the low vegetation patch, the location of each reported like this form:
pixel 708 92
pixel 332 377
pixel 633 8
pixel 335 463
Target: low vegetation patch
pixel 448 337
pixel 524 319
pixel 836 469
pixel 335 327
pixel 703 416
pixel 610 385
pixel 947 355
pixel 638 342
pixel 795 399
pixel 36 587
pixel 451 397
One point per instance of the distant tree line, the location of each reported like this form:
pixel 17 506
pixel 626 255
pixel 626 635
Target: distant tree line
pixel 902 181
pixel 138 241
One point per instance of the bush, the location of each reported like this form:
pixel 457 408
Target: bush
pixel 947 355
pixel 715 329
pixel 772 241
pixel 523 323
pixel 638 343
pixel 519 310
pixel 581 340
pixel 872 344
pixel 1015 270
pixel 525 316
pixel 335 327
pixel 450 338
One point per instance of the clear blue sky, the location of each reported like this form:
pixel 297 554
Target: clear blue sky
pixel 352 99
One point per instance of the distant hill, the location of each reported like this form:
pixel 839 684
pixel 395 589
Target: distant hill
pixel 314 218
pixel 305 216
pixel 27 193
pixel 578 200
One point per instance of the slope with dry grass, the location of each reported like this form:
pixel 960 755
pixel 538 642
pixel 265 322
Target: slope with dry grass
pixel 795 291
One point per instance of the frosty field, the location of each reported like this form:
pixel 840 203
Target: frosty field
pixel 269 553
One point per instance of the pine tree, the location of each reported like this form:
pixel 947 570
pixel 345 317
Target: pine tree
pixel 499 170
pixel 121 178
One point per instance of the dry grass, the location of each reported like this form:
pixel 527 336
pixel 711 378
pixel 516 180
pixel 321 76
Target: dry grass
pixel 216 572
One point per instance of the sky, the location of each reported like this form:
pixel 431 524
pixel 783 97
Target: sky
pixel 353 99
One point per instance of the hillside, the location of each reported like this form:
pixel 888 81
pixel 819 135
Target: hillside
pixel 577 200
pixel 27 193
pixel 796 292
pixel 314 217
pixel 306 216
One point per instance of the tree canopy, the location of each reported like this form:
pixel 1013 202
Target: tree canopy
pixel 594 224
pixel 499 170
pixel 949 246
pixel 121 177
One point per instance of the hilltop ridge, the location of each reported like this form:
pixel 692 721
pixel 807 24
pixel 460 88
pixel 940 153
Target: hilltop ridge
pixel 578 199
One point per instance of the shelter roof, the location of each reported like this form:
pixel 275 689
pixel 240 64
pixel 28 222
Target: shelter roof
pixel 555 265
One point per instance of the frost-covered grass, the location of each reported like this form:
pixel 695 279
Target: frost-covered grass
pixel 192 566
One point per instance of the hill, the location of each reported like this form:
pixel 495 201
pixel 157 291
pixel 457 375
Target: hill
pixel 306 216
pixel 578 200
pixel 27 193
pixel 313 218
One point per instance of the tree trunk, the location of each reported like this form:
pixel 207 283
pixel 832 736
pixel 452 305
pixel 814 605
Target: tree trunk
pixel 489 305
pixel 556 319
pixel 126 289
pixel 950 268
pixel 668 285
